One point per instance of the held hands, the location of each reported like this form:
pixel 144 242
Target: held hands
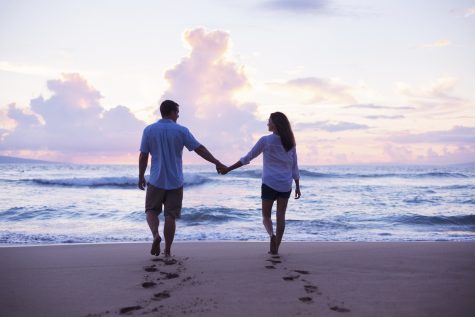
pixel 221 168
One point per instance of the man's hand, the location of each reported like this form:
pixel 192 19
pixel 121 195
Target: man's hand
pixel 142 183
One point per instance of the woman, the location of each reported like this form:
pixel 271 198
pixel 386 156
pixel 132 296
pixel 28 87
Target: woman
pixel 280 167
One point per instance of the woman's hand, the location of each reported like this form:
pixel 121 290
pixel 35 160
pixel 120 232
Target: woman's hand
pixel 297 193
pixel 222 169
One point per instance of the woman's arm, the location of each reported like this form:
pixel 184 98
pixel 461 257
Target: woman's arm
pixel 255 151
pixel 228 169
pixel 297 188
pixel 296 174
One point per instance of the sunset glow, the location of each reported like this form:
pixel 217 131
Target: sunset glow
pixel 362 82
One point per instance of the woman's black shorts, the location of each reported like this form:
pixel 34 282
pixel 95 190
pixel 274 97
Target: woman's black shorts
pixel 269 193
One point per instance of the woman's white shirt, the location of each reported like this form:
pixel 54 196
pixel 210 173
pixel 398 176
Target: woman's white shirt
pixel 280 166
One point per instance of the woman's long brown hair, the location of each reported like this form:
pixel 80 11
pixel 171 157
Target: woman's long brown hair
pixel 284 130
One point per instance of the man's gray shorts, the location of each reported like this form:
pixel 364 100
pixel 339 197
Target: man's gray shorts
pixel 171 199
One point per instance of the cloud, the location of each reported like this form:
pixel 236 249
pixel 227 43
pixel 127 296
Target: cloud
pixel 373 106
pixel 32 69
pixel 438 99
pixel 430 155
pixel 318 90
pixel 457 155
pixel 204 84
pixel 73 121
pixel 457 135
pixel 27 69
pixel 396 153
pixel 439 91
pixel 385 117
pixel 437 44
pixel 469 12
pixel 331 126
pixel 297 6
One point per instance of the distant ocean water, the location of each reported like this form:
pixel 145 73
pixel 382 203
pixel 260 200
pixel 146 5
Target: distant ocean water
pixel 62 203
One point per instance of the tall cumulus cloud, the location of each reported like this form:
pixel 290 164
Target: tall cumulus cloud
pixel 204 84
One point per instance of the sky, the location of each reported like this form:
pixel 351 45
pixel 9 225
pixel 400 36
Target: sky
pixel 361 82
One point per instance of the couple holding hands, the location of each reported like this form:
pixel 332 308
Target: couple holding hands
pixel 164 140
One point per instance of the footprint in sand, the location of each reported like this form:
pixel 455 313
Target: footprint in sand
pixel 161 295
pixel 340 309
pixel 274 261
pixel 151 268
pixel 302 272
pixel 148 284
pixel 128 309
pixel 169 276
pixel 170 262
pixel 290 277
pixel 312 289
pixel 306 299
pixel 270 267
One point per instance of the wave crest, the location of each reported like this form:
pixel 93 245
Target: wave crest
pixel 115 182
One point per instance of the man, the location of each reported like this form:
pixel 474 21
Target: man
pixel 165 140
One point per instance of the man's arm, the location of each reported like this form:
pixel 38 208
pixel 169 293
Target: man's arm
pixel 143 161
pixel 204 153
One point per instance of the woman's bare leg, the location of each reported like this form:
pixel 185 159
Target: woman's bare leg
pixel 267 221
pixel 280 227
pixel 266 216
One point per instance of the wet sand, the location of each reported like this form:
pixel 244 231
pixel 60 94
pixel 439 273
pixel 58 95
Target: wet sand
pixel 240 279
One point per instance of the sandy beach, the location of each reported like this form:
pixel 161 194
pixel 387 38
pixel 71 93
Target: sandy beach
pixel 240 279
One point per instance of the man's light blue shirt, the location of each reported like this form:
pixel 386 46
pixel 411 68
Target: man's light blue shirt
pixel 165 140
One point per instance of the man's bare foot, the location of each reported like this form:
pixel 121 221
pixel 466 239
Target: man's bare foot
pixel 167 253
pixel 156 246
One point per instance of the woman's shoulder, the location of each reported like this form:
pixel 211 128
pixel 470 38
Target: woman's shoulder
pixel 271 136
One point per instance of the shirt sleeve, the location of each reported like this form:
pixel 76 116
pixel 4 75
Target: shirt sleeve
pixel 190 142
pixel 255 151
pixel 144 147
pixel 295 165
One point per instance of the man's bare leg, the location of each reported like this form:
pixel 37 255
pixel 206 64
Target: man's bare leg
pixel 281 208
pixel 169 233
pixel 153 222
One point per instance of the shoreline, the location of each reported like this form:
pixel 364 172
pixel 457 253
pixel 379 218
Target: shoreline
pixel 226 241
pixel 240 278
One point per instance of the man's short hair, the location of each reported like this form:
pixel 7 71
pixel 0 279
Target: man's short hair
pixel 167 107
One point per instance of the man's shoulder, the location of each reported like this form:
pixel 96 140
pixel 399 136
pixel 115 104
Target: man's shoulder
pixel 166 125
pixel 181 128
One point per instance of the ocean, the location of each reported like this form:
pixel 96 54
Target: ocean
pixel 69 203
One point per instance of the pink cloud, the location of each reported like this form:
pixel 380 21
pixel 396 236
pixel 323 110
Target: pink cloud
pixel 458 135
pixel 461 154
pixel 72 121
pixel 319 90
pixel 204 84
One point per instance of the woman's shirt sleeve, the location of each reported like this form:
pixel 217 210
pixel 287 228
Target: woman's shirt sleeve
pixel 295 165
pixel 255 151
